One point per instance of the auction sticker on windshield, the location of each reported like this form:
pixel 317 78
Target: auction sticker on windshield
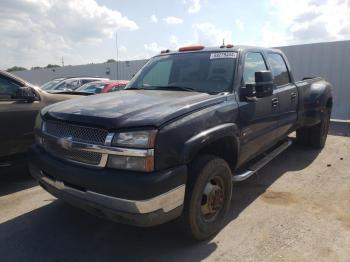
pixel 220 55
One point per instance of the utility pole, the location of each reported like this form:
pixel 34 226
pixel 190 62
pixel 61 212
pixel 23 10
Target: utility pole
pixel 116 45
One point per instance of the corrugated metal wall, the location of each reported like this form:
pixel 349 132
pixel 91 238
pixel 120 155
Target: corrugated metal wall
pixel 126 69
pixel 330 60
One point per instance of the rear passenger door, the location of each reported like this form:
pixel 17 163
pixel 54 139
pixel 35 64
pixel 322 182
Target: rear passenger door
pixel 286 91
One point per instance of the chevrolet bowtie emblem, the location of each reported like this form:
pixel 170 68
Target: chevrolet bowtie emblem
pixel 65 142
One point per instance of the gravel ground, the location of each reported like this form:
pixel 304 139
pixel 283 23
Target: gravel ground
pixel 296 209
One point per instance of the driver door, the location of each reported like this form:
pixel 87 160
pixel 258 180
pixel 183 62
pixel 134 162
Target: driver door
pixel 259 116
pixel 16 118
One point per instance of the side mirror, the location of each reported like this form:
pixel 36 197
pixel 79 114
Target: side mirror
pixel 26 93
pixel 263 84
pixel 263 87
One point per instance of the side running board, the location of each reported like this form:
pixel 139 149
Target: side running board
pixel 251 170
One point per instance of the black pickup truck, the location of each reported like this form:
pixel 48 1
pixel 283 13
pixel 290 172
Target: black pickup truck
pixel 190 123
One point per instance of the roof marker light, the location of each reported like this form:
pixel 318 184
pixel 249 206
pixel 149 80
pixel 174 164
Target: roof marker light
pixel 229 46
pixel 191 48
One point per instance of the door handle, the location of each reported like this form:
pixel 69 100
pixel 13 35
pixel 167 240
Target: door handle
pixel 293 95
pixel 274 102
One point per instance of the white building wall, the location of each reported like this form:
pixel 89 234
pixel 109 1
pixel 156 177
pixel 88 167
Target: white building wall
pixel 331 61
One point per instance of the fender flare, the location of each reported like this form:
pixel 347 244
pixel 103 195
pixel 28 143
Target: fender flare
pixel 199 141
pixel 316 102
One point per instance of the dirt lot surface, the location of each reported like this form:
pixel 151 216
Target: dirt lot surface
pixel 296 209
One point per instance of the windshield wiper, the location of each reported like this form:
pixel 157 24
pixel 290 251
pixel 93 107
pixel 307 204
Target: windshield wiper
pixel 182 88
pixel 170 87
pixel 149 87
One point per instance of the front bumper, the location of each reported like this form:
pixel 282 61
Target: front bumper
pixel 147 202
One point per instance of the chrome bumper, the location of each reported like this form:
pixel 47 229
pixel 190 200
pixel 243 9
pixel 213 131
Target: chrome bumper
pixel 165 202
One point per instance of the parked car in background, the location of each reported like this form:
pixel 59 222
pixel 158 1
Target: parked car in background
pixel 52 83
pixel 104 86
pixel 68 83
pixel 20 102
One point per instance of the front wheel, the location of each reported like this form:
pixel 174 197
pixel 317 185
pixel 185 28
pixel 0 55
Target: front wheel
pixel 208 197
pixel 316 135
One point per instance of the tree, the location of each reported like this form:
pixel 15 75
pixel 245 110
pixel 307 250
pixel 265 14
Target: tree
pixel 51 66
pixel 111 60
pixel 35 68
pixel 16 68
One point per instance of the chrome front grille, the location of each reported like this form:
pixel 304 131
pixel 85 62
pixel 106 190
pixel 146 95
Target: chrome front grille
pixel 76 155
pixel 76 133
pixel 59 138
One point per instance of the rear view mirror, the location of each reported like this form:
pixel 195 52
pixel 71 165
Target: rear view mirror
pixel 263 84
pixel 26 93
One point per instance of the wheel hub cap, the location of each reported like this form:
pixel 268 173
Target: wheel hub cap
pixel 212 200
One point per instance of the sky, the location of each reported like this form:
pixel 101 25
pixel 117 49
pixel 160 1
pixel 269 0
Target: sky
pixel 41 32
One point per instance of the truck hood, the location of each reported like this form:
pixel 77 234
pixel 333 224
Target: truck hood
pixel 130 108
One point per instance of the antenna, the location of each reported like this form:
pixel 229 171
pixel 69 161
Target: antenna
pixel 223 41
pixel 62 62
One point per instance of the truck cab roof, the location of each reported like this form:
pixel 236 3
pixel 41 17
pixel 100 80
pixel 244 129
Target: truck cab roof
pixel 226 48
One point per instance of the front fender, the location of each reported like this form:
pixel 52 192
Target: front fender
pixel 196 143
pixel 179 140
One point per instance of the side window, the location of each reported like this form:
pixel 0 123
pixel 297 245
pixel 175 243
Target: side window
pixel 84 81
pixel 74 84
pixel 8 87
pixel 159 74
pixel 254 62
pixel 279 69
pixel 68 85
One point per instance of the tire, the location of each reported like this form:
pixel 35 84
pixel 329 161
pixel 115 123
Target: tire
pixel 208 197
pixel 315 136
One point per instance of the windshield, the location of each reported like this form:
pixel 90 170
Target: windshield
pixel 94 88
pixel 51 84
pixel 210 72
pixel 68 85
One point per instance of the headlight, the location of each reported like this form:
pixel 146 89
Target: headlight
pixel 135 139
pixel 145 164
pixel 142 141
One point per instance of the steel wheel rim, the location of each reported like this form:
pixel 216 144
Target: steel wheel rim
pixel 213 198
